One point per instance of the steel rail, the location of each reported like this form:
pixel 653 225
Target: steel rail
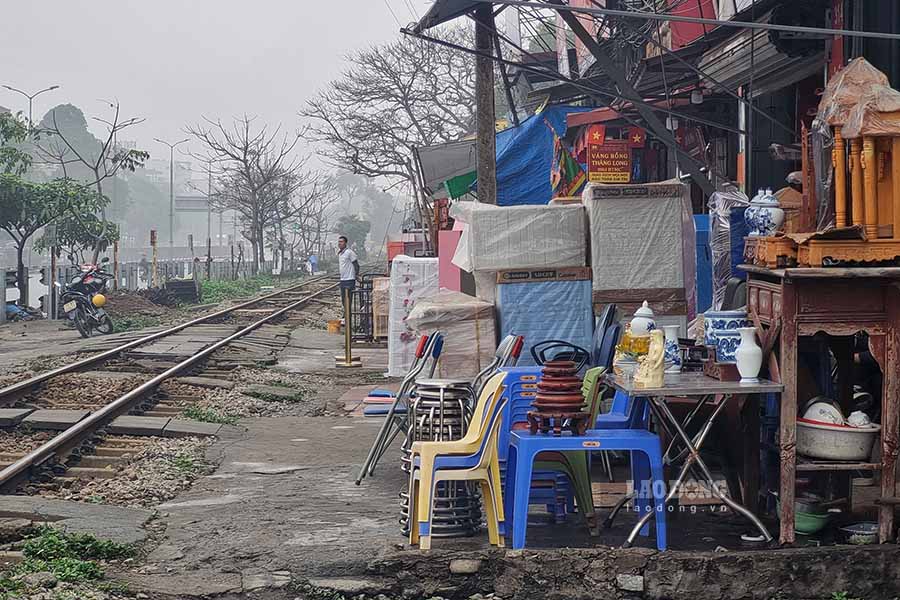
pixel 85 362
pixel 75 434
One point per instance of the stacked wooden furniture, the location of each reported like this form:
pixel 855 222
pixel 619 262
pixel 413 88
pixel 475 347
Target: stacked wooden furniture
pixel 864 115
pixel 839 302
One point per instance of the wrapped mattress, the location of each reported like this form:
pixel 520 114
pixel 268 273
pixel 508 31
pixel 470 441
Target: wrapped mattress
pixel 550 304
pixel 643 245
pixel 411 280
pixel 468 327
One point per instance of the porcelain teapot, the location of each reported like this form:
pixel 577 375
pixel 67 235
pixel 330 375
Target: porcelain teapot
pixel 642 323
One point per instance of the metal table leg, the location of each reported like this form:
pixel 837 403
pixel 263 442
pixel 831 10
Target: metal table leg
pixel 661 409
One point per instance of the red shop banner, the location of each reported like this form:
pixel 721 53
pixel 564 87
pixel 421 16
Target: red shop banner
pixel 609 162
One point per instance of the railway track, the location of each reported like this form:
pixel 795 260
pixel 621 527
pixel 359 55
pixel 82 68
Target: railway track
pixel 244 334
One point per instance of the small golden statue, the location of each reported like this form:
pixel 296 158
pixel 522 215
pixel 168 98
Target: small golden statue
pixel 650 370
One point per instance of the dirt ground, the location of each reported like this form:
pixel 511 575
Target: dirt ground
pixel 281 518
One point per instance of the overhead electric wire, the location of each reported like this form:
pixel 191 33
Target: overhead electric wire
pixel 590 89
pixel 720 85
pixel 393 14
pixel 662 64
pixel 698 20
pixel 412 10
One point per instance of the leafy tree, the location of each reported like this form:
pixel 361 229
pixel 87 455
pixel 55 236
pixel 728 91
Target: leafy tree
pixel 69 145
pixel 356 230
pixel 13 131
pixel 26 207
pixel 75 234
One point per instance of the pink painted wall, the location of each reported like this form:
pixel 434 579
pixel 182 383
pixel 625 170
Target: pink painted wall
pixel 448 273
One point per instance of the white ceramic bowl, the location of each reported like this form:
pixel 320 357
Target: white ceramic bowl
pixel 824 412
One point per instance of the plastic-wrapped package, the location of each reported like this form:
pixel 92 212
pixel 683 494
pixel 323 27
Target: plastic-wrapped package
pixel 642 242
pixel 843 92
pixel 869 117
pixel 721 205
pixel 546 310
pixel 512 237
pixel 468 327
pixel 846 89
pixel 411 280
pixel 381 305
pixel 822 145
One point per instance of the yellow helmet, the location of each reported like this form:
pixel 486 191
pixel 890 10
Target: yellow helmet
pixel 99 300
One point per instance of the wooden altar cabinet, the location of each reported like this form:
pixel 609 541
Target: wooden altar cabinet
pixel 839 302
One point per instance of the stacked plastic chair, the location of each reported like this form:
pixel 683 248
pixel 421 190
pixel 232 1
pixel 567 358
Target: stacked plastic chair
pixel 433 465
pixel 396 421
pixel 559 477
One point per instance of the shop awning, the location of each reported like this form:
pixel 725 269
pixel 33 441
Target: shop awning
pixel 443 162
pixel 771 68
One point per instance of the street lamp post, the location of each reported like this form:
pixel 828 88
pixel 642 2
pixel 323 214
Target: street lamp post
pixel 31 98
pixel 171 188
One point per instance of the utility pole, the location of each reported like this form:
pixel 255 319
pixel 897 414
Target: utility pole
pixel 171 190
pixel 31 98
pixel 209 204
pixel 209 220
pixel 486 148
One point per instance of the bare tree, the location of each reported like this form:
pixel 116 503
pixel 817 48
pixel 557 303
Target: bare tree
pixel 257 169
pixel 391 99
pixel 57 146
pixel 312 219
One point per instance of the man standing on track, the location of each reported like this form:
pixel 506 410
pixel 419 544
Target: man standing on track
pixel 348 264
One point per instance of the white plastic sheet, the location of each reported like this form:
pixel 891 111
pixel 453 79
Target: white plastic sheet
pixel 720 206
pixel 642 239
pixel 514 237
pixel 411 280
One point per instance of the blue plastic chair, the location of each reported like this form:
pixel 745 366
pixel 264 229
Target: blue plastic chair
pixel 521 385
pixel 607 351
pixel 524 447
pixel 604 322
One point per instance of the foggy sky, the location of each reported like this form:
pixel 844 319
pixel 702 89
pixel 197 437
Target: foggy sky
pixel 172 61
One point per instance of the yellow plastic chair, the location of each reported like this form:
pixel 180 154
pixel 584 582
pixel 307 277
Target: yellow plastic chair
pixel 479 445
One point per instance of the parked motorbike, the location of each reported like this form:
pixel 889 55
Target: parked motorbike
pixel 82 300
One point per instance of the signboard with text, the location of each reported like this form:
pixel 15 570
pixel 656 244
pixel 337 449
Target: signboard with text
pixel 609 162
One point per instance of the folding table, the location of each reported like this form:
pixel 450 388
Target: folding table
pixel 701 387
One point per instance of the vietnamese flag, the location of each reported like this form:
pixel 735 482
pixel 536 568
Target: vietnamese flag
pixel 637 137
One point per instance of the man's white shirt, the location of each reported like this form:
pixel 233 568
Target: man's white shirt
pixel 345 261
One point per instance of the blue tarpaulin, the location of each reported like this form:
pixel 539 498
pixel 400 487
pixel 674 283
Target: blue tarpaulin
pixel 525 157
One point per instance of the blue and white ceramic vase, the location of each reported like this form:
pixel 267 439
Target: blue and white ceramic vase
pixel 722 320
pixel 750 214
pixel 764 216
pixel 727 343
pixel 770 216
pixel 672 351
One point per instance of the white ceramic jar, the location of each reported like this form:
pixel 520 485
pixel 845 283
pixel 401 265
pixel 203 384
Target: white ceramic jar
pixel 769 216
pixel 642 323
